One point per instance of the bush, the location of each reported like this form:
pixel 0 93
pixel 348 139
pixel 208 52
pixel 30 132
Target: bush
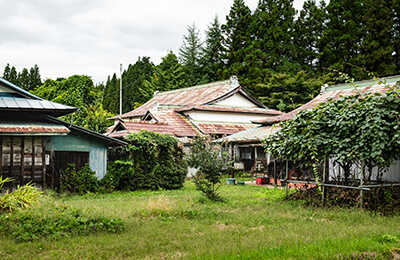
pixel 22 197
pixel 120 176
pixel 78 182
pixel 156 162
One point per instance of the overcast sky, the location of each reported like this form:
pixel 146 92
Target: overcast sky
pixel 92 37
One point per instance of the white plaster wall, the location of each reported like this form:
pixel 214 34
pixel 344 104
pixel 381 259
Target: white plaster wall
pixel 223 116
pixel 236 100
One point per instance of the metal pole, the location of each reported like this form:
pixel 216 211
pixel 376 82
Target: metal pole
pixel 120 90
pixel 323 180
pixel 287 177
pixel 361 184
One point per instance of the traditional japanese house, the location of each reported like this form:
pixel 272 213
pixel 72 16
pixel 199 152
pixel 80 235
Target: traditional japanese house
pixel 35 146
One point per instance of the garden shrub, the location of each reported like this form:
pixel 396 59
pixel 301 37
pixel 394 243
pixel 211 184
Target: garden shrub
pixel 22 197
pixel 120 176
pixel 79 182
pixel 156 160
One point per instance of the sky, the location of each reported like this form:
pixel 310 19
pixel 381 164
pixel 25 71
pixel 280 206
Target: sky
pixel 93 37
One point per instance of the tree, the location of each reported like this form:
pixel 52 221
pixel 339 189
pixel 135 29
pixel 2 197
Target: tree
pixel 353 129
pixel 6 73
pixel 341 41
pixel 308 33
pixel 111 95
pixel 169 74
pixel 287 92
pixel 189 55
pixel 136 83
pixel 211 61
pixel 208 158
pixel 272 29
pixel 376 52
pixel 236 39
pixel 23 79
pixel 35 79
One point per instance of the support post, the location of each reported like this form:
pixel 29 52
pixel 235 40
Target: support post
pixel 120 90
pixel 361 184
pixel 323 180
pixel 287 177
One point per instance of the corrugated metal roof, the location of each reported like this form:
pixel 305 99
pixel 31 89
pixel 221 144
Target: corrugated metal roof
pixel 31 128
pixel 264 111
pixel 222 128
pixel 333 92
pixel 254 135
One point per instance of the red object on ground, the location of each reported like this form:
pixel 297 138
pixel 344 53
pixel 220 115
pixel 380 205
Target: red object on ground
pixel 261 181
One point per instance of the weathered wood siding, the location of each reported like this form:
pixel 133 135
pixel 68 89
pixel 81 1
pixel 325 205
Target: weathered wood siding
pixel 78 142
pixel 23 159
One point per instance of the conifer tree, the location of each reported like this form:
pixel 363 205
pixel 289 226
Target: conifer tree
pixel 111 95
pixel 309 26
pixel 189 55
pixel 211 60
pixel 23 79
pixel 35 79
pixel 236 39
pixel 272 29
pixel 169 74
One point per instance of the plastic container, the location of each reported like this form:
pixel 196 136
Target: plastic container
pixel 231 181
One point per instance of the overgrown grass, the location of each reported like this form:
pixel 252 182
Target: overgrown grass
pixel 252 223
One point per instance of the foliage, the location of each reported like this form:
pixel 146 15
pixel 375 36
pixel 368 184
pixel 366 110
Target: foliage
pixel 54 221
pixel 189 55
pixel 151 161
pixel 21 198
pixel 81 181
pixel 287 92
pixel 94 117
pixel 169 74
pixel 208 157
pixel 360 127
pixel 24 79
pixel 120 176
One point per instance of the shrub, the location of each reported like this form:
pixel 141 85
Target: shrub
pixel 156 161
pixel 22 197
pixel 78 182
pixel 120 176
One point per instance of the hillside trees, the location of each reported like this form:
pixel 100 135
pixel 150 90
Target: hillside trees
pixel 28 80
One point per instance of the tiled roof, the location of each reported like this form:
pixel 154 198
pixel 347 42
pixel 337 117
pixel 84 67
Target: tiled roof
pixel 333 92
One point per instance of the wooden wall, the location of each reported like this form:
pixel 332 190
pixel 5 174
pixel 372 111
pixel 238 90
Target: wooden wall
pixel 23 158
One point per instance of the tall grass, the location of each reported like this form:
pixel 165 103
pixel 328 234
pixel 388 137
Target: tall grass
pixel 252 223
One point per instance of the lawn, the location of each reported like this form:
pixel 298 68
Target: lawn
pixel 252 223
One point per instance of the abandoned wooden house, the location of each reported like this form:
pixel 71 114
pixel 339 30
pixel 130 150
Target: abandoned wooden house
pixel 219 108
pixel 35 146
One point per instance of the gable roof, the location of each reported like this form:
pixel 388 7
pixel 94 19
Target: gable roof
pixel 13 98
pixel 185 99
pixel 334 92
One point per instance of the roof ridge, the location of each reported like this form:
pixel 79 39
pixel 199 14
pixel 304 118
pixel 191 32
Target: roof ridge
pixel 206 85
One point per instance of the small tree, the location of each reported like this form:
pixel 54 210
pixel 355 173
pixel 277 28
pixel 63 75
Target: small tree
pixel 210 159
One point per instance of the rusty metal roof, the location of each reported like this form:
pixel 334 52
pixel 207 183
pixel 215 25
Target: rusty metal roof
pixel 31 128
pixel 332 93
pixel 264 111
pixel 222 128
pixel 254 135
pixel 180 129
